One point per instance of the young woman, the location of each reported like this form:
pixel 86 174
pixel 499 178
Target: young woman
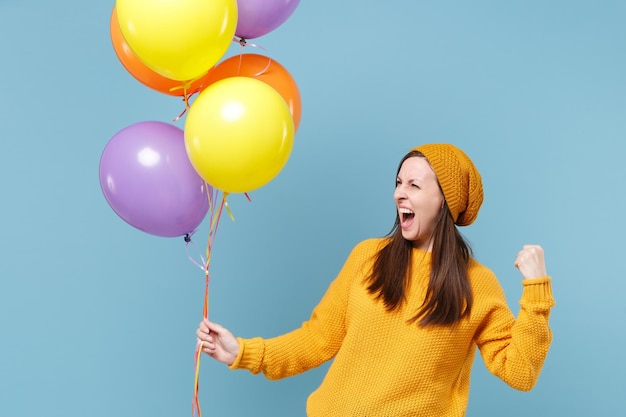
pixel 405 315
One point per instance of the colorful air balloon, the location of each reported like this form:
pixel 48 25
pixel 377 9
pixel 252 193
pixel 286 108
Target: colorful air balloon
pixel 239 134
pixel 178 39
pixel 148 180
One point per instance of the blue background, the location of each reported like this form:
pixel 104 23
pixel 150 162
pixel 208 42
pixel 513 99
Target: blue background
pixel 98 318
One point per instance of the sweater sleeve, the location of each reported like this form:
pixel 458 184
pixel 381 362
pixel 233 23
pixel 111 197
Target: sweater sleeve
pixel 514 349
pixel 315 342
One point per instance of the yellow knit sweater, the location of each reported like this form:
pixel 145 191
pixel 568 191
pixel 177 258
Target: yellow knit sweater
pixel 386 367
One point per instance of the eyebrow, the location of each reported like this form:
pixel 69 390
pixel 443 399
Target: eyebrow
pixel 410 179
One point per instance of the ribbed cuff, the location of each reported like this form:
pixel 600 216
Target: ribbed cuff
pixel 250 354
pixel 538 290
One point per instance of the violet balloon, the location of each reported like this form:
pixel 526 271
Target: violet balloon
pixel 148 180
pixel 259 17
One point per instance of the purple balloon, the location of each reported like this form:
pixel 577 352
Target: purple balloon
pixel 259 17
pixel 148 180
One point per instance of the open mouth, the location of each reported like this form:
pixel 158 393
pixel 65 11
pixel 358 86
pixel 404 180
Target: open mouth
pixel 406 216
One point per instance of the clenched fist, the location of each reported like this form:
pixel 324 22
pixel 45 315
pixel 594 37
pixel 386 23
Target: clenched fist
pixel 217 342
pixel 530 262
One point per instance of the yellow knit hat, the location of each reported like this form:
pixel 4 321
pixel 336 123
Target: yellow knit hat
pixel 459 179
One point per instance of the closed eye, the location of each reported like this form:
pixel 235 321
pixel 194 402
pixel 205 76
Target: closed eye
pixel 413 184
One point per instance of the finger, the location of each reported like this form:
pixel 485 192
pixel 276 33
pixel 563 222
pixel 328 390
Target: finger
pixel 204 336
pixel 214 327
pixel 532 246
pixel 532 250
pixel 203 326
pixel 209 347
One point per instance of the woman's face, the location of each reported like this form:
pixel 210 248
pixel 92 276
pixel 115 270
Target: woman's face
pixel 419 200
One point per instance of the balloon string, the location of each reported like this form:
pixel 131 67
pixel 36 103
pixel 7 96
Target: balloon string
pixel 217 201
pixel 186 101
pixel 195 406
pixel 214 221
pixel 244 43
pixel 186 85
pixel 189 242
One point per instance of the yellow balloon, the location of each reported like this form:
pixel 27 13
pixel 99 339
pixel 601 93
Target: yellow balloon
pixel 178 39
pixel 239 134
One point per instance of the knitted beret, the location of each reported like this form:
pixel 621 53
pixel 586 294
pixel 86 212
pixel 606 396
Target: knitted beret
pixel 459 179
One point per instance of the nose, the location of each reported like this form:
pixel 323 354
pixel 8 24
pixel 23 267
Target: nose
pixel 399 194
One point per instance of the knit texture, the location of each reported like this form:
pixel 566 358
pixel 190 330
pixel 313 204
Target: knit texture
pixel 459 179
pixel 386 367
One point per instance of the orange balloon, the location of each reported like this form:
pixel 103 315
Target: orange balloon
pixel 145 75
pixel 263 69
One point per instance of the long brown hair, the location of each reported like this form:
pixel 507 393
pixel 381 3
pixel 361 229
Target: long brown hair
pixel 449 295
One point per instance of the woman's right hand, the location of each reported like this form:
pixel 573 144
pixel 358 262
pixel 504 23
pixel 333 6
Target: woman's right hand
pixel 217 342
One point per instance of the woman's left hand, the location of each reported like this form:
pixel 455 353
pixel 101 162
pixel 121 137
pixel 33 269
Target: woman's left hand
pixel 530 262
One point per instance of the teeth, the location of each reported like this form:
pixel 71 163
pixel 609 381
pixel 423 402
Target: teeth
pixel 405 211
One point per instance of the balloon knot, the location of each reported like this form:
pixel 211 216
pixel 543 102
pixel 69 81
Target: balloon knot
pixel 187 238
pixel 242 42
